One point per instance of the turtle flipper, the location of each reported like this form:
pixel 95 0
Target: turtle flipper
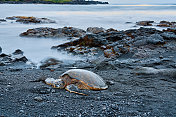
pixel 72 87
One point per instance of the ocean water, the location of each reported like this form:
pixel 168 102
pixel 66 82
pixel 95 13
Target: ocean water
pixel 80 16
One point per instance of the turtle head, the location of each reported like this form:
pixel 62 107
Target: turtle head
pixel 56 83
pixel 59 83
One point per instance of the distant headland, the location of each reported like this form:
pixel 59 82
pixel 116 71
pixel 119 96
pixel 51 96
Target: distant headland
pixel 75 2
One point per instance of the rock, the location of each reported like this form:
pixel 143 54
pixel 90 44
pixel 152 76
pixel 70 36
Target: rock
pixel 15 70
pixel 40 32
pixel 166 24
pixel 142 32
pixel 39 99
pixel 170 30
pixel 110 82
pixel 18 56
pixel 95 30
pixel 15 57
pixel 89 40
pixel 169 35
pixel 151 70
pixel 111 30
pixel 2 64
pixel 83 65
pixel 41 90
pixel 128 22
pixel 146 70
pixel 145 23
pixel 54 33
pixel 71 31
pixel 26 20
pixel 118 49
pixel 154 39
pixel 22 111
pixel 2 20
pixel 3 55
pixel 18 51
pixel 50 63
pixel 115 37
pixel 168 72
pixel 109 53
pixel 116 43
pixel 19 59
pixel 0 50
pixel 105 65
pixel 92 40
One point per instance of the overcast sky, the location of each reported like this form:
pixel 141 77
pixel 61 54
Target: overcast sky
pixel 141 1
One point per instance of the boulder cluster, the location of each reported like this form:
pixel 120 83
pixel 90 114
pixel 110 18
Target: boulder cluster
pixel 27 20
pixel 2 20
pixel 160 24
pixel 117 43
pixel 142 42
pixel 54 33
pixel 15 57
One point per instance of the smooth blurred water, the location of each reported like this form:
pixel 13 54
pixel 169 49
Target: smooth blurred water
pixel 80 16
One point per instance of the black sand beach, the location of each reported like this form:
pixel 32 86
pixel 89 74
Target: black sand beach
pixel 138 65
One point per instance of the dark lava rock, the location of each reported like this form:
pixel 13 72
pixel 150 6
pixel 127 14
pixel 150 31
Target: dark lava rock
pixel 166 24
pixel 50 63
pixel 105 65
pixel 170 30
pixel 118 49
pixel 17 56
pixel 2 20
pixel 155 39
pixel 41 90
pixel 111 30
pixel 40 32
pixel 19 59
pixel 95 30
pixel 83 65
pixel 71 31
pixel 109 53
pixel 151 70
pixel 128 22
pixel 169 35
pixel 115 37
pixel 18 51
pixel 26 20
pixel 113 43
pixel 90 40
pixel 142 32
pixel 145 23
pixel 0 49
pixel 54 33
pixel 4 56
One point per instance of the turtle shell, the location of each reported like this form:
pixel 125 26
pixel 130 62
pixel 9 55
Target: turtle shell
pixel 90 78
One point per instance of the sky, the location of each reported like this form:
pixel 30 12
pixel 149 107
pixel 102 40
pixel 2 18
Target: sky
pixel 141 1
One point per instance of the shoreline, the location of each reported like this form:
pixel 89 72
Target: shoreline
pixel 138 65
pixel 65 3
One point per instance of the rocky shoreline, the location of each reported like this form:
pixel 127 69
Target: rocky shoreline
pixel 138 65
pixel 50 2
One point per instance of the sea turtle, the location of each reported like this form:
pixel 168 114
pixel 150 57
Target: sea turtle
pixel 79 78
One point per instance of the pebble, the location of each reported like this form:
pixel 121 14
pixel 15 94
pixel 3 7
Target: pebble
pixel 39 99
pixel 21 111
pixel 110 82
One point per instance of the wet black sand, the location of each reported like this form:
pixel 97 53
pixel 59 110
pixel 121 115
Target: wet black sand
pixel 128 95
